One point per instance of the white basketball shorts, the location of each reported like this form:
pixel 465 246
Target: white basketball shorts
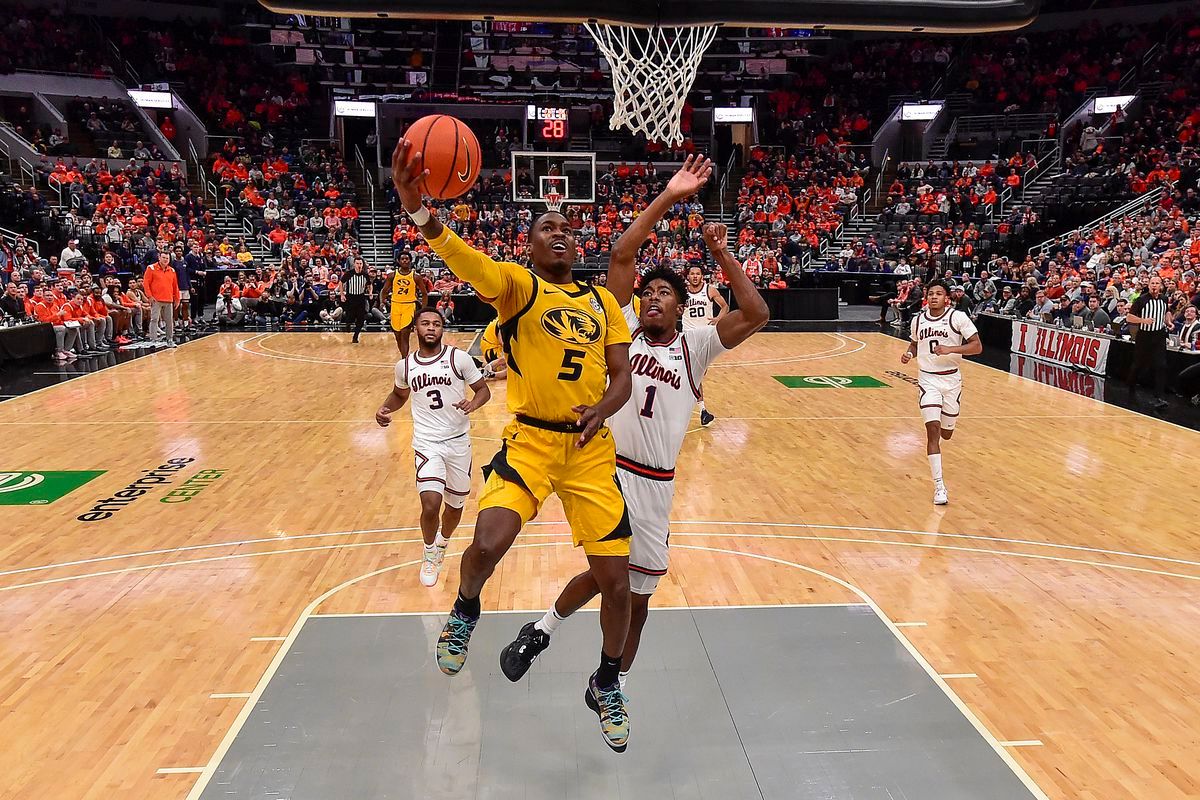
pixel 445 468
pixel 940 397
pixel 649 503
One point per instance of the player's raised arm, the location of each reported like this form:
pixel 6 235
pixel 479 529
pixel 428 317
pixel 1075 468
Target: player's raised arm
pixel 622 267
pixel 722 304
pixel 463 260
pixel 752 312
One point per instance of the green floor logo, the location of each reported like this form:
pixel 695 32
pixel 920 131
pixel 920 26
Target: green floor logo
pixel 830 382
pixel 40 488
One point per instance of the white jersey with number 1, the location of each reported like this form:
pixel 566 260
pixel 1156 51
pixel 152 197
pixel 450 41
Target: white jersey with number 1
pixel 649 430
pixel 698 309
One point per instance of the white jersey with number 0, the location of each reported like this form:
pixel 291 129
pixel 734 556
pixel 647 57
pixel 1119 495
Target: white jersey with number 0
pixel 698 310
pixel 436 385
pixel 649 428
pixel 952 328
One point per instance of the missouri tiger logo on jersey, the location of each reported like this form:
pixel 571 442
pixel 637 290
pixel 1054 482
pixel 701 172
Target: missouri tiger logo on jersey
pixel 571 325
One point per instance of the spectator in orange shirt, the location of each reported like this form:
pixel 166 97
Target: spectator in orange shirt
pixel 65 337
pixel 162 285
pixel 74 311
pixel 93 304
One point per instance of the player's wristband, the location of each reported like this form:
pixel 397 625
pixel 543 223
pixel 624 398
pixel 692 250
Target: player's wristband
pixel 420 217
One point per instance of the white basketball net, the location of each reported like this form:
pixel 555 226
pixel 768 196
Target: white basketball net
pixel 653 70
pixel 553 201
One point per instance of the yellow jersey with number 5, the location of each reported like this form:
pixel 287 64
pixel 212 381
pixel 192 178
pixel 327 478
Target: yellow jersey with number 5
pixel 553 335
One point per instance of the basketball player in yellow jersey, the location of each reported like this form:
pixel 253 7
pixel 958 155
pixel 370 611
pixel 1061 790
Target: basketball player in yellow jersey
pixel 495 367
pixel 403 289
pixel 567 346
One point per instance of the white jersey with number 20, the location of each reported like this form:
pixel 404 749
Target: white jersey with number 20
pixel 436 385
pixel 698 309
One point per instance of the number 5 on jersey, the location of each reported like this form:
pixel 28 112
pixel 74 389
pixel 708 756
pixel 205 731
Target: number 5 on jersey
pixel 572 365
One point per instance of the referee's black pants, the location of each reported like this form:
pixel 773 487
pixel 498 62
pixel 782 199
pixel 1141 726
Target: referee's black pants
pixel 1150 353
pixel 356 312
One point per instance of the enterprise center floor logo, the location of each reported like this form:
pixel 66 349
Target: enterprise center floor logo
pixel 161 476
pixel 42 487
pixel 830 382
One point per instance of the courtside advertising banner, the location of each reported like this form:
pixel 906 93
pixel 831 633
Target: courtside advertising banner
pixel 1070 348
pixel 1071 380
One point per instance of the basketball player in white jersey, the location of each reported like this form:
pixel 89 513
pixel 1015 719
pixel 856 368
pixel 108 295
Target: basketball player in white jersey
pixel 436 378
pixel 667 370
pixel 698 312
pixel 941 335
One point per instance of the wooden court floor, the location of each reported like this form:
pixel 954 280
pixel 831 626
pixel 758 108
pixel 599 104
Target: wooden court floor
pixel 1056 595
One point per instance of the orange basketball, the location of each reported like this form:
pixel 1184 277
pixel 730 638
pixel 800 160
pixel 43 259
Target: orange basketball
pixel 451 153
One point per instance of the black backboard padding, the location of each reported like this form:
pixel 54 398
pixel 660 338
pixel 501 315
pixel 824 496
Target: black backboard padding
pixel 896 15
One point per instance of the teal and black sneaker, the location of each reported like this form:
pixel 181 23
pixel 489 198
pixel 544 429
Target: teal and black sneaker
pixel 452 644
pixel 609 704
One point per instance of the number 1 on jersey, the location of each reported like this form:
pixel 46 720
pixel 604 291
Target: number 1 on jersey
pixel 648 407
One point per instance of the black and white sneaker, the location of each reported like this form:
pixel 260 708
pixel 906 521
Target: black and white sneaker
pixel 706 418
pixel 519 655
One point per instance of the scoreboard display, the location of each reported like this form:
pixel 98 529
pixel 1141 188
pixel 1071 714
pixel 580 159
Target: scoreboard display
pixel 551 124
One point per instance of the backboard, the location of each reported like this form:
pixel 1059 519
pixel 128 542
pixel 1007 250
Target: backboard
pixel 945 16
pixel 570 175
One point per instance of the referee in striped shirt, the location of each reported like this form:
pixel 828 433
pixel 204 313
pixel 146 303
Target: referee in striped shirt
pixel 355 293
pixel 1153 319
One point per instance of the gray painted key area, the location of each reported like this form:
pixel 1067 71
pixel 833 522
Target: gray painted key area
pixel 797 703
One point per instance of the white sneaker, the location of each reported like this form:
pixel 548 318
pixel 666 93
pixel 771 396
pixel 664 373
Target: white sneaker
pixel 940 498
pixel 431 566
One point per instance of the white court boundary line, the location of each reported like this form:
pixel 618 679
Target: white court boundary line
pixel 704 534
pixel 582 610
pixel 244 714
pixel 471 526
pixel 400 420
pixel 267 352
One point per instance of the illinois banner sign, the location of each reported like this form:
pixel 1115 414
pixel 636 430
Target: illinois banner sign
pixel 1063 346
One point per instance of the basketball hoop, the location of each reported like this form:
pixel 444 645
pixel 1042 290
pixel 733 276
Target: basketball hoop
pixel 553 201
pixel 653 70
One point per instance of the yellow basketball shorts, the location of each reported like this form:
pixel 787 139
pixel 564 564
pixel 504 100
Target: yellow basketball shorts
pixel 534 463
pixel 403 315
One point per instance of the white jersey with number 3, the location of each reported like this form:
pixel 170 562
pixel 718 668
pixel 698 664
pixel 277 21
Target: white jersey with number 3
pixel 952 328
pixel 436 385
pixel 698 310
pixel 650 427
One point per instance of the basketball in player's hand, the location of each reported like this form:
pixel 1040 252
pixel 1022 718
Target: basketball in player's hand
pixel 450 153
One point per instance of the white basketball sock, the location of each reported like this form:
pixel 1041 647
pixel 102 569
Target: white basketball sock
pixel 440 541
pixel 549 623
pixel 935 467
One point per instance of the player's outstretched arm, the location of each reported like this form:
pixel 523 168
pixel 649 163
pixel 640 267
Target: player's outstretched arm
pixel 466 262
pixel 622 266
pixel 620 386
pixel 722 304
pixel 752 313
pixel 391 404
